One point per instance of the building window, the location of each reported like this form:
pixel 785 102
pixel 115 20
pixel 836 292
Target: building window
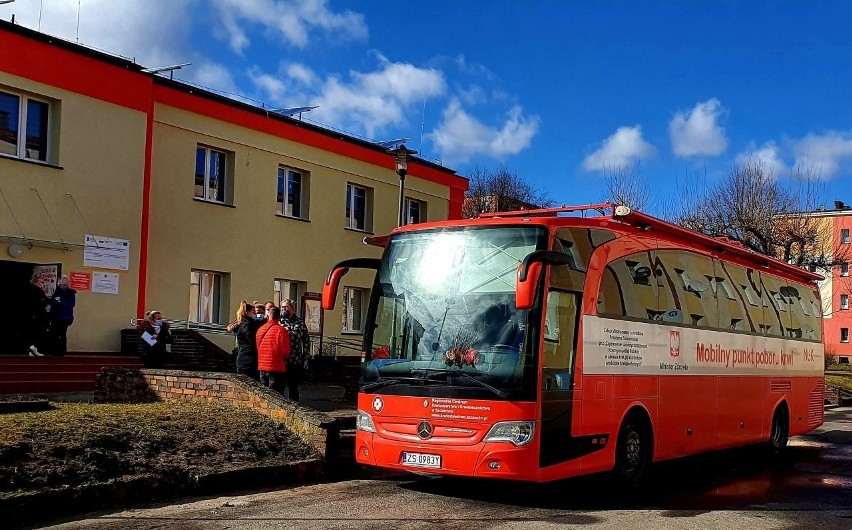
pixel 844 334
pixel 844 301
pixel 354 306
pixel 844 235
pixel 284 289
pixel 211 174
pixel 292 192
pixel 358 208
pixel 844 269
pixel 414 211
pixel 205 297
pixel 23 126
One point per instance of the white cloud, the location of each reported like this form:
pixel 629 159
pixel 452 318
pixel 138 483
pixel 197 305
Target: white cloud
pixel 460 136
pixel 290 20
pixel 153 32
pixel 269 85
pixel 302 74
pixel 370 102
pixel 624 147
pixel 768 155
pixel 823 153
pixel 698 132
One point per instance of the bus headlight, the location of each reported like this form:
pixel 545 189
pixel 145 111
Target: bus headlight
pixel 363 422
pixel 517 432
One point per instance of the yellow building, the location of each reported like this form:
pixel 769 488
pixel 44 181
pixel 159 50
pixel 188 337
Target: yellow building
pixel 192 201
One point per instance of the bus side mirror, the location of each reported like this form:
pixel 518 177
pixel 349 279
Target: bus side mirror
pixel 332 282
pixel 525 288
pixel 529 273
pixel 329 288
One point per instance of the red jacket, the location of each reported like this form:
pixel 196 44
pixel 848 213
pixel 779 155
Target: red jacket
pixel 273 347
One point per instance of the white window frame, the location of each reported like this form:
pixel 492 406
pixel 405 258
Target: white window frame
pixel 407 210
pixel 844 301
pixel 844 268
pixel 215 297
pixel 281 293
pixel 304 179
pixel 844 331
pixel 226 199
pixel 351 324
pixel 350 205
pixel 844 236
pixel 21 148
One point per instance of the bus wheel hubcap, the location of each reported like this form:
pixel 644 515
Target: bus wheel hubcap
pixel 633 449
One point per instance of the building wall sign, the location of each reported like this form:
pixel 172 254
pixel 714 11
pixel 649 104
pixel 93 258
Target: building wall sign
pixel 80 281
pixel 105 282
pixel 106 253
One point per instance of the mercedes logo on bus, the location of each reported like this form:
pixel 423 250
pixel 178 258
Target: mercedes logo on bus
pixel 424 430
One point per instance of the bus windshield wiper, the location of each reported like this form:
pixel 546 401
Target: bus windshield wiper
pixel 381 383
pixel 483 384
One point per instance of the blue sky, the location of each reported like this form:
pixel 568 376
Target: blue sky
pixel 555 91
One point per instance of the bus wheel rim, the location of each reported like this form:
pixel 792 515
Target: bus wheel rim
pixel 633 449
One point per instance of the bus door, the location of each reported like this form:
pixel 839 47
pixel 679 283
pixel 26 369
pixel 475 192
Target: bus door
pixel 561 322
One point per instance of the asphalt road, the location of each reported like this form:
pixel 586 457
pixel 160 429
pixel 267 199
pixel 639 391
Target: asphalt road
pixel 810 486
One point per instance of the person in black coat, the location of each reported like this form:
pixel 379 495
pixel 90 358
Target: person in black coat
pixel 246 327
pixel 154 355
pixel 36 320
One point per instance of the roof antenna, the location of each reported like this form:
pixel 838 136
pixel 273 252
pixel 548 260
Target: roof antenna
pixel 78 21
pixel 40 7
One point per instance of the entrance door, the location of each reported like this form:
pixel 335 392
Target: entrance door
pixel 15 277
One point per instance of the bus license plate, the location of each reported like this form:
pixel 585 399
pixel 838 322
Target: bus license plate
pixel 421 460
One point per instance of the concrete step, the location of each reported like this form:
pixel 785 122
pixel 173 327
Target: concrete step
pixel 30 387
pixel 70 375
pixel 58 365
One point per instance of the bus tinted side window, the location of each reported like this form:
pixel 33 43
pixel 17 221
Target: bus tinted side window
pixel 739 278
pixel 776 314
pixel 732 313
pixel 629 288
pixel 578 244
pixel 685 295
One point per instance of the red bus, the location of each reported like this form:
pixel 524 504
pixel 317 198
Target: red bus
pixel 544 344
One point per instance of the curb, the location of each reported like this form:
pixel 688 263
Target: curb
pixel 35 506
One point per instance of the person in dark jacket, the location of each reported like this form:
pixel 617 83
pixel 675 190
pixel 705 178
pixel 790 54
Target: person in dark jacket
pixel 36 319
pixel 154 355
pixel 62 315
pixel 300 345
pixel 246 329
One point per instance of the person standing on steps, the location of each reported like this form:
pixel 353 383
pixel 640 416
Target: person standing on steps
pixel 300 344
pixel 62 315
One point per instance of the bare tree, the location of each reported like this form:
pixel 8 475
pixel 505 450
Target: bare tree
pixel 754 208
pixel 626 186
pixel 500 190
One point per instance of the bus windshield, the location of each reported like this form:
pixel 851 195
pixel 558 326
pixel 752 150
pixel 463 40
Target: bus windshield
pixel 443 314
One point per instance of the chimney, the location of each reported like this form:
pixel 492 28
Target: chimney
pixel 838 205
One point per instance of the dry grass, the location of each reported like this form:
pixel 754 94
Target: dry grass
pixel 843 381
pixel 75 444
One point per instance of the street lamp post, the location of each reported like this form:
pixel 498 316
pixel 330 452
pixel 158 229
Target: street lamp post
pixel 401 154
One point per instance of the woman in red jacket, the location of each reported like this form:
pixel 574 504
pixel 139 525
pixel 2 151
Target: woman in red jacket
pixel 273 348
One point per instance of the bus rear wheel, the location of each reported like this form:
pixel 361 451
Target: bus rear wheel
pixel 633 450
pixel 780 430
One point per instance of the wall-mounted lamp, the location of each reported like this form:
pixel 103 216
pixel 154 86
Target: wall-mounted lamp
pixel 16 250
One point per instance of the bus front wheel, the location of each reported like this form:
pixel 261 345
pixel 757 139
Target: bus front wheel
pixel 633 451
pixel 780 430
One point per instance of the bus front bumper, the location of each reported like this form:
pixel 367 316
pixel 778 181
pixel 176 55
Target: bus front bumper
pixel 483 459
